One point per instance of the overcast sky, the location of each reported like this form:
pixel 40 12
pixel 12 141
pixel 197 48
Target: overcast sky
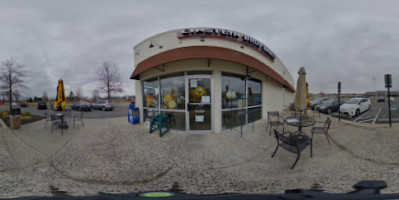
pixel 349 41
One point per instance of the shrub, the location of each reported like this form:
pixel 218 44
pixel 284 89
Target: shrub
pixel 27 114
pixel 25 117
pixel 4 114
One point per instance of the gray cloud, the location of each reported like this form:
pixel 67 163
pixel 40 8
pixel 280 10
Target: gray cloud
pixel 334 40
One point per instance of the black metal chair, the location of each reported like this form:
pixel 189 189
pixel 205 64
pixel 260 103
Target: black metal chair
pixel 273 119
pixel 48 119
pixel 68 114
pixel 55 122
pixel 322 130
pixel 78 117
pixel 292 143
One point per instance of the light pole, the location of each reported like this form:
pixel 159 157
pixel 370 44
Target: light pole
pixel 376 96
pixel 388 84
pixel 339 101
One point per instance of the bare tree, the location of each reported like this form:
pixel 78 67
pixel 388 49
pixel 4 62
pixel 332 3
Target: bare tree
pixel 79 93
pixel 110 79
pixel 45 96
pixel 71 96
pixel 16 95
pixel 96 94
pixel 11 77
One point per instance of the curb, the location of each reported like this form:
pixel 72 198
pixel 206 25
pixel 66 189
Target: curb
pixel 386 120
pixel 364 125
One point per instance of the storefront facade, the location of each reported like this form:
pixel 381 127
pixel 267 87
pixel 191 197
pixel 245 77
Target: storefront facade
pixel 208 79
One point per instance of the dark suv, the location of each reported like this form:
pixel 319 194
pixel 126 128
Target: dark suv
pixel 42 105
pixel 329 106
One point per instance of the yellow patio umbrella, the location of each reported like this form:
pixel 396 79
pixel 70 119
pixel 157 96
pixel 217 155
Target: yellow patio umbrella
pixel 60 98
pixel 300 95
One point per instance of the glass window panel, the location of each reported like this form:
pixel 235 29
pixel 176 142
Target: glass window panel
pixel 149 113
pixel 199 90
pixel 234 118
pixel 254 114
pixel 176 120
pixel 173 92
pixel 200 117
pixel 151 93
pixel 233 88
pixel 254 92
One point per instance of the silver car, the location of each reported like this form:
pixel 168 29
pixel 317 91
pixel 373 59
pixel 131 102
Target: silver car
pixel 103 105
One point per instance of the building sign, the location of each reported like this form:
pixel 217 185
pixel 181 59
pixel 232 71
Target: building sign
pixel 225 34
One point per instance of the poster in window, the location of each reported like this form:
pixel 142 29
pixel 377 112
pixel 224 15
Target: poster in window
pixel 199 118
pixel 205 99
pixel 193 83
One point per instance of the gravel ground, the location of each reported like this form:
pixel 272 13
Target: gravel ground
pixel 110 155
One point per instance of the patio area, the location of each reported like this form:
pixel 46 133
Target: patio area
pixel 111 155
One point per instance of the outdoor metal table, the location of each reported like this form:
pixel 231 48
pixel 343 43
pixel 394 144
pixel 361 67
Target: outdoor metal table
pixel 300 122
pixel 63 124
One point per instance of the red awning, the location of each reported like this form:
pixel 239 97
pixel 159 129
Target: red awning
pixel 207 52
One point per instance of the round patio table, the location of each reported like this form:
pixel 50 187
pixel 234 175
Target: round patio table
pixel 63 124
pixel 302 121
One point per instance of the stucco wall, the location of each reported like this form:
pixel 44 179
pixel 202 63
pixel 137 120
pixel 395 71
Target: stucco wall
pixel 169 40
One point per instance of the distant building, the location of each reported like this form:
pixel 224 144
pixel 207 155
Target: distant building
pixel 381 93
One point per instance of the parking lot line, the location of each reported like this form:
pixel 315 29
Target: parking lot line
pixel 376 117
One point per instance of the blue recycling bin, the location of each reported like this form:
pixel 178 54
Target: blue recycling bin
pixel 133 114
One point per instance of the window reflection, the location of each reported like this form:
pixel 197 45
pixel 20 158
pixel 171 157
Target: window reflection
pixel 151 93
pixel 233 88
pixel 241 100
pixel 173 92
pixel 254 92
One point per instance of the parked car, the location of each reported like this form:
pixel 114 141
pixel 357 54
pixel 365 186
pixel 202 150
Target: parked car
pixel 24 104
pixel 316 101
pixel 81 106
pixel 104 105
pixel 381 99
pixel 42 105
pixel 329 106
pixel 355 106
pixel 391 98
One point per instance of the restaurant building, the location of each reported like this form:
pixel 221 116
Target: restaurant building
pixel 209 79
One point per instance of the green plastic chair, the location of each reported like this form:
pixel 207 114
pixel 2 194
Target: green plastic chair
pixel 158 123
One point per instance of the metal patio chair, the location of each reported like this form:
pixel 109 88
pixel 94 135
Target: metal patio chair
pixel 273 119
pixel 68 114
pixel 55 122
pixel 322 130
pixel 48 119
pixel 292 143
pixel 78 117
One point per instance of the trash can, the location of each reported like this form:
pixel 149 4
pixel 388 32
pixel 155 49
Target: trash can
pixel 133 114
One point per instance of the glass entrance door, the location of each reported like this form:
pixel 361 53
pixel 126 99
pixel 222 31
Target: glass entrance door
pixel 199 105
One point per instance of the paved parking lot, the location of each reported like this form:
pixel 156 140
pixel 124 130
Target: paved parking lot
pixel 378 113
pixel 119 111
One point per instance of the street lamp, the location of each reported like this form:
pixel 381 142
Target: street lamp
pixel 388 84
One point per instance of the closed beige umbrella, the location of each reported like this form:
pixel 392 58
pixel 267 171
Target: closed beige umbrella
pixel 300 95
